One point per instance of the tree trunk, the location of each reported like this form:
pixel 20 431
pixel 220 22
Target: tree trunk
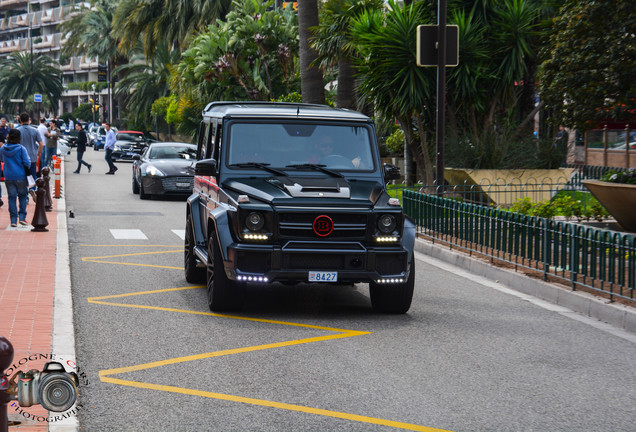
pixel 312 84
pixel 346 97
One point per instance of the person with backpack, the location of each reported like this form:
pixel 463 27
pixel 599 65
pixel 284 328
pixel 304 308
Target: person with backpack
pixel 16 165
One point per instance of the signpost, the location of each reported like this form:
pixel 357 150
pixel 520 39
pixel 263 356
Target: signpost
pixel 37 98
pixel 439 46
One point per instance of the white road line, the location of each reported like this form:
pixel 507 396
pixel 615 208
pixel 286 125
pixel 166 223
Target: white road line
pixel 180 233
pixel 128 234
pixel 534 300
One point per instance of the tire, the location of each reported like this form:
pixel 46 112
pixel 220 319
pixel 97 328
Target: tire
pixel 193 274
pixel 143 195
pixel 135 186
pixel 223 294
pixel 393 298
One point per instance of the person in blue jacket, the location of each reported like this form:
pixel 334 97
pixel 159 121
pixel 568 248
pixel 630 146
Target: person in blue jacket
pixel 16 165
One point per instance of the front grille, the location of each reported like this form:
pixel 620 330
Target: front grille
pixel 300 224
pixel 178 184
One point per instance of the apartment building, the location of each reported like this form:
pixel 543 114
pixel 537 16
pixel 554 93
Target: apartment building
pixel 32 25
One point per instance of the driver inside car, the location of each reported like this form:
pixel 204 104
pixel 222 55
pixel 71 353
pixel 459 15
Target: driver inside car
pixel 324 154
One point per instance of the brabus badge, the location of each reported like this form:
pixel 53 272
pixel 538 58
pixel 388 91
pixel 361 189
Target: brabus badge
pixel 323 225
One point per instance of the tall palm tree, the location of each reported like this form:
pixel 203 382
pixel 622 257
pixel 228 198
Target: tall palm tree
pixel 23 74
pixel 389 76
pixel 311 80
pixel 89 32
pixel 333 46
pixel 144 81
pixel 159 20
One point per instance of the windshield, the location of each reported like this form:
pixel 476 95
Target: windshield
pixel 173 152
pixel 342 147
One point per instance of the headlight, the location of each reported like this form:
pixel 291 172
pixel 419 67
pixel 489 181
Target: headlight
pixel 386 223
pixel 117 148
pixel 154 171
pixel 254 221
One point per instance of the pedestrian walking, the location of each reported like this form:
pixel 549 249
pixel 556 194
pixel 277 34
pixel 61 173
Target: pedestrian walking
pixel 109 146
pixel 52 136
pixel 81 148
pixel 31 141
pixel 17 166
pixel 4 129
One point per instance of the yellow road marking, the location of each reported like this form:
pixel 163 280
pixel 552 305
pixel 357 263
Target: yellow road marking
pixel 271 404
pixel 105 375
pixel 102 259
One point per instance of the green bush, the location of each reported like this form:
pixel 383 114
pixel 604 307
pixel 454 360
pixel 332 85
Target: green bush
pixel 561 205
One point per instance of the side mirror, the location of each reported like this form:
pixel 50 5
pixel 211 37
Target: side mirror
pixel 136 157
pixel 391 172
pixel 205 167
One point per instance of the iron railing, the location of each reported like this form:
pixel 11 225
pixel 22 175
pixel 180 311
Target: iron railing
pixel 600 260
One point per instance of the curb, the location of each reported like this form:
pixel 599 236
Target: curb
pixel 614 314
pixel 63 337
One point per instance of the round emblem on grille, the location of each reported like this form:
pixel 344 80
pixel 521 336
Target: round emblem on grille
pixel 323 225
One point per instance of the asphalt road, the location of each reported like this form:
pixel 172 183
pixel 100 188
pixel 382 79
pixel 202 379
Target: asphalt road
pixel 467 357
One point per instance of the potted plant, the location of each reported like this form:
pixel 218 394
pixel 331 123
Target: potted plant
pixel 616 191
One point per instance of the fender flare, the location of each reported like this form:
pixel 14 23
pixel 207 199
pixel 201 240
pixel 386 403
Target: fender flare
pixel 408 238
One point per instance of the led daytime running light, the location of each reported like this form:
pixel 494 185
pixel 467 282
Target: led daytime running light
pixel 386 239
pixel 250 236
pixel 390 280
pixel 253 278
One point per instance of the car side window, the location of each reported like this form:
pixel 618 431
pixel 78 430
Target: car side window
pixel 203 136
pixel 211 139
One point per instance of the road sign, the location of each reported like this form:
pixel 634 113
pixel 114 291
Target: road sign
pixel 426 51
pixel 37 97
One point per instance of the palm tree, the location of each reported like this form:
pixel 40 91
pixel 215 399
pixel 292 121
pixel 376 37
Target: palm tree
pixel 23 74
pixel 311 80
pixel 155 21
pixel 389 76
pixel 332 43
pixel 89 32
pixel 144 82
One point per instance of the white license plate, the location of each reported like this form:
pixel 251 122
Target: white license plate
pixel 183 185
pixel 318 276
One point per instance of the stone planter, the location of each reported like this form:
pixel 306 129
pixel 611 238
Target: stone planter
pixel 619 199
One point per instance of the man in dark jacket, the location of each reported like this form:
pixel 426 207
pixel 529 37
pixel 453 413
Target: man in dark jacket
pixel 16 161
pixel 81 148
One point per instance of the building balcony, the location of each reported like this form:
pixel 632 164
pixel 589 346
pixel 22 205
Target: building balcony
pixel 13 4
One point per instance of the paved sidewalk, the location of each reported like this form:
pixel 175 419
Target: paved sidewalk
pixel 29 273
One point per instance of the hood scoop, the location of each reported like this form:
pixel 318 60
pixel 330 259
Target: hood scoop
pixel 314 187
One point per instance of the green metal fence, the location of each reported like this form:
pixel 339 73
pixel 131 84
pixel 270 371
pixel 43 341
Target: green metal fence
pixel 600 260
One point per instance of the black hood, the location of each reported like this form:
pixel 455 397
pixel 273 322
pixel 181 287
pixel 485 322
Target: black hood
pixel 281 190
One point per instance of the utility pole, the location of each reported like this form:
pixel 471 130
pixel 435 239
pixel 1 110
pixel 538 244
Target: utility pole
pixel 441 95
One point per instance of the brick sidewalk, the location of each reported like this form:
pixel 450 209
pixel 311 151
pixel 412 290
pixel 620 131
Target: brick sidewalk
pixel 27 282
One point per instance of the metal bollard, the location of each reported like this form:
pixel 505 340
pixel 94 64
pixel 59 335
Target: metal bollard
pixel 6 358
pixel 58 177
pixel 40 221
pixel 48 202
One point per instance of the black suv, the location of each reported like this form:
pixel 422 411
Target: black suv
pixel 294 193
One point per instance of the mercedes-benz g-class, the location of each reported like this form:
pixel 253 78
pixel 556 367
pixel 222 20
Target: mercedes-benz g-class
pixel 294 193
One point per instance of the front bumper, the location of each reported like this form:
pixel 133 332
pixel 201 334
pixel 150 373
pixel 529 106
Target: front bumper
pixel 292 262
pixel 168 185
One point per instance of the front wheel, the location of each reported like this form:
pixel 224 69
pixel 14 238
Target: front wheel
pixel 223 293
pixel 193 274
pixel 135 186
pixel 393 298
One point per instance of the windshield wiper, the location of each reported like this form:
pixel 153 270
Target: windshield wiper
pixel 316 167
pixel 263 166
